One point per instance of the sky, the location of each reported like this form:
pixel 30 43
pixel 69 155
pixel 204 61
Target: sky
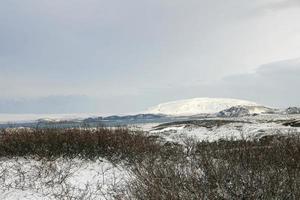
pixel 116 56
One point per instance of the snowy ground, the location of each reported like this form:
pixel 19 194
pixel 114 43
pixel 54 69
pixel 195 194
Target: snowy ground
pixel 31 179
pixel 60 179
pixel 249 128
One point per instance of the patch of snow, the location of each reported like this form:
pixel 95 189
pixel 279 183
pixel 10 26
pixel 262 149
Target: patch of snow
pixel 71 178
pixel 248 128
pixel 259 109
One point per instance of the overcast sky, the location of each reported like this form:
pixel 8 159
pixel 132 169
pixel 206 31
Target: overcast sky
pixel 116 56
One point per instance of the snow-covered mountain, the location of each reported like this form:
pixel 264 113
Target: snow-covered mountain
pixel 203 106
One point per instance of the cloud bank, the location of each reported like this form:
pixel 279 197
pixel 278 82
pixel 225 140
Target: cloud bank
pixel 275 84
pixel 122 56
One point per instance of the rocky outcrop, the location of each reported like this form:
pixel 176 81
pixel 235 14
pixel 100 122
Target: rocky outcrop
pixel 236 111
pixel 292 110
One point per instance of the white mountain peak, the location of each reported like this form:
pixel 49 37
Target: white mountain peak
pixel 198 106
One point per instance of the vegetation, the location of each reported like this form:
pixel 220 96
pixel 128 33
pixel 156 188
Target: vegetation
pixel 268 168
pixel 265 169
pixel 114 144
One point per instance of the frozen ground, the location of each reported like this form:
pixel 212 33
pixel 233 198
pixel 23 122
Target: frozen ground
pixel 213 129
pixel 59 179
pixel 32 179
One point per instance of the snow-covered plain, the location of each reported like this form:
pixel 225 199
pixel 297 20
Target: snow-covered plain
pixel 250 128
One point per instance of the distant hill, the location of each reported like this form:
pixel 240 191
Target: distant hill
pixel 197 106
pixel 138 117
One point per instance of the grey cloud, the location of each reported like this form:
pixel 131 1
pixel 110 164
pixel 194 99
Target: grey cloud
pixel 50 104
pixel 65 104
pixel 143 52
pixel 275 84
pixel 281 5
pixel 285 4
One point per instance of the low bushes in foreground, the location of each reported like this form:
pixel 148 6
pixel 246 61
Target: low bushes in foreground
pixel 115 144
pixel 268 168
pixel 265 169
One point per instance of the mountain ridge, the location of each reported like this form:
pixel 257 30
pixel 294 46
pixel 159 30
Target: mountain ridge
pixel 194 106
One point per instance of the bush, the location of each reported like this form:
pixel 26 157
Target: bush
pixel 115 144
pixel 266 169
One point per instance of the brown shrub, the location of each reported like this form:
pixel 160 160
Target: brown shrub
pixel 266 169
pixel 111 143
